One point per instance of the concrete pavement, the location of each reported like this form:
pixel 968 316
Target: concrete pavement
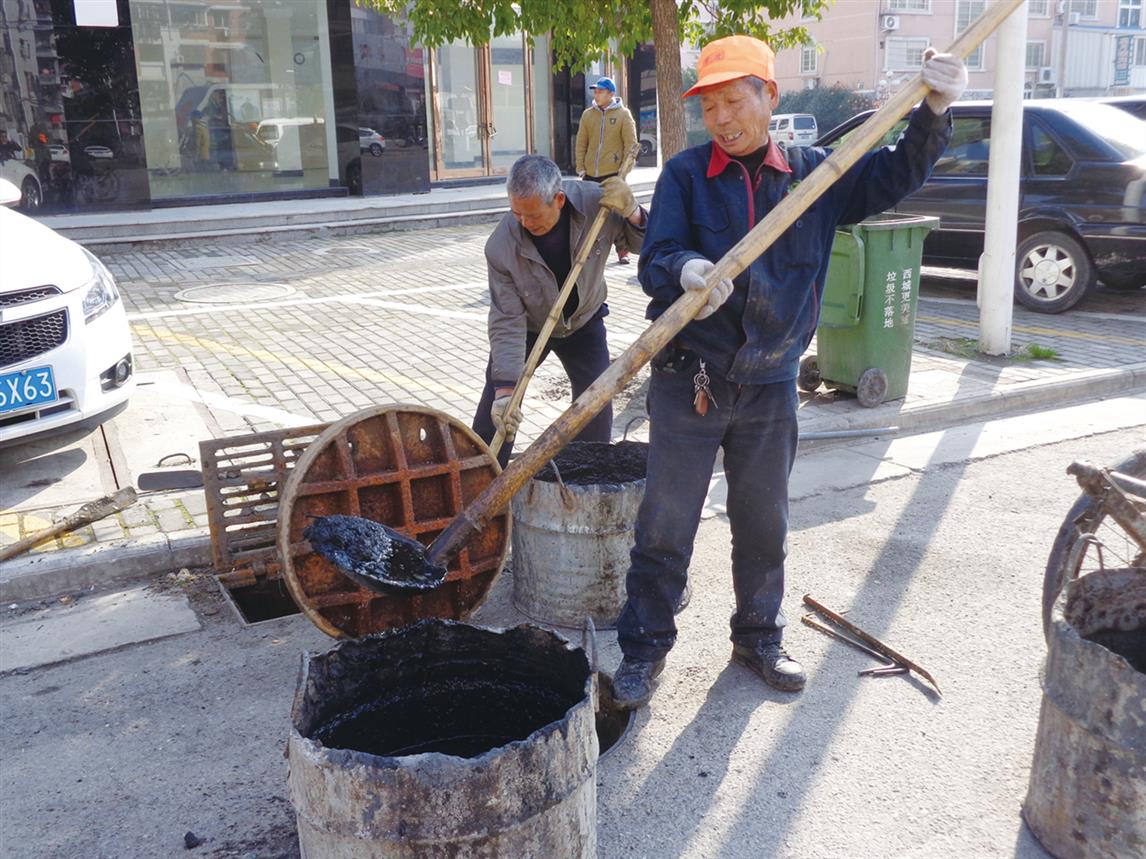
pixel 233 339
pixel 114 749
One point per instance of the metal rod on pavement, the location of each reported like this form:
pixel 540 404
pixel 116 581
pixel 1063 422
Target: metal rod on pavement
pixel 894 655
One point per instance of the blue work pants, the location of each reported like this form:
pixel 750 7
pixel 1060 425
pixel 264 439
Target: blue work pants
pixel 756 426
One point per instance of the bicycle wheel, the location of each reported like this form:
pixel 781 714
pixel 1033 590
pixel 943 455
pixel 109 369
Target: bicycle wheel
pixel 1107 544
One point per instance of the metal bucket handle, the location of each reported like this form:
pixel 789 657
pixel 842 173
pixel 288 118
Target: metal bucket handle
pixel 589 643
pixel 568 499
pixel 628 426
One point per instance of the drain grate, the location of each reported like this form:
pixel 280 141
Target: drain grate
pixel 241 479
pixel 234 293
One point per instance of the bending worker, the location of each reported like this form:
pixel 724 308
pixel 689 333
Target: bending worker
pixel 528 257
pixel 728 379
pixel 607 134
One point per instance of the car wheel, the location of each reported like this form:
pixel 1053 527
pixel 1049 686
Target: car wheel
pixel 376 150
pixel 1053 272
pixel 31 196
pixel 646 148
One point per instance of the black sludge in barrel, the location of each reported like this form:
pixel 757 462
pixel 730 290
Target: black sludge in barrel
pixel 445 739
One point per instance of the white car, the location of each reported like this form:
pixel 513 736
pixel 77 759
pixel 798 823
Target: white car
pixel 65 346
pixel 16 171
pixel 371 141
pixel 793 129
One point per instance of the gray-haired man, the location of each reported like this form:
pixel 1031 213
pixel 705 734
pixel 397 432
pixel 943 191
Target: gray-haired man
pixel 528 258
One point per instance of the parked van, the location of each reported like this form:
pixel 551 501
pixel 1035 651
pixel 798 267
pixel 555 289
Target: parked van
pixel 793 129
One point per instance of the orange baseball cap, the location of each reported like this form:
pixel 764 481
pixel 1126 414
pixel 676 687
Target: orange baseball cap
pixel 733 57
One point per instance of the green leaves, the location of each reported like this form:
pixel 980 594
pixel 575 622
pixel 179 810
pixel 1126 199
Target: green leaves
pixel 583 33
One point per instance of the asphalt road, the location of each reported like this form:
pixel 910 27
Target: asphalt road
pixel 934 543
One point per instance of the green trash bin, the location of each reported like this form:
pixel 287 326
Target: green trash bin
pixel 867 319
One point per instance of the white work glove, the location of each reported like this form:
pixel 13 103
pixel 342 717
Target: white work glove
pixel 618 196
pixel 507 423
pixel 692 276
pixel 947 76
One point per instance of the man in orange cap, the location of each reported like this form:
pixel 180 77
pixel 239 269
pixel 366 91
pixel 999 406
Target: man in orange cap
pixel 728 380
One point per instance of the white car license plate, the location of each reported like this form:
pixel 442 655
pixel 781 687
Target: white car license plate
pixel 27 388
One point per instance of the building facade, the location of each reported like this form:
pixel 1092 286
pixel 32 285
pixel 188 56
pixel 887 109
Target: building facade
pixel 1074 47
pixel 142 103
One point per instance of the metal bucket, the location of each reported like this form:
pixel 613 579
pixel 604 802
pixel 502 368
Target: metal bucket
pixel 1087 794
pixel 445 740
pixel 572 532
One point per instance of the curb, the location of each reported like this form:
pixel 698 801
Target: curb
pixel 432 216
pixel 43 575
pixel 46 574
pixel 1015 399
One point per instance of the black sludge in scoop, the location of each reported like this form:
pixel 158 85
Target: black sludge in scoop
pixel 372 554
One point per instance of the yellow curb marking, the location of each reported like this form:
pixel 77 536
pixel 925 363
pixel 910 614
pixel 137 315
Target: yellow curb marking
pixel 1045 332
pixel 337 369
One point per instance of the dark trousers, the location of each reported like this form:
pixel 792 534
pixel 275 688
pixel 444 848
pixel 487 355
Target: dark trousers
pixel 619 244
pixel 756 426
pixel 584 354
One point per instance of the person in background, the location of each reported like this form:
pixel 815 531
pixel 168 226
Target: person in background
pixel 9 149
pixel 728 379
pixel 528 257
pixel 607 134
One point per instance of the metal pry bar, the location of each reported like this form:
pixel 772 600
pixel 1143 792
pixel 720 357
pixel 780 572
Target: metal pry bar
pixel 871 640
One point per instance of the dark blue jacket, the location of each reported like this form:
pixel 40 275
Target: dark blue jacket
pixel 758 335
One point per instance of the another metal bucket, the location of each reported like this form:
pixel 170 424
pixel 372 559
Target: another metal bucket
pixel 571 538
pixel 1087 794
pixel 446 740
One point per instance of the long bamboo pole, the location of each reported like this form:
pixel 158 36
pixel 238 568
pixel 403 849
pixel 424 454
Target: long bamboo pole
pixel 499 492
pixel 587 242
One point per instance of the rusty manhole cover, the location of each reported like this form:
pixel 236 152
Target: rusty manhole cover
pixel 412 468
pixel 234 293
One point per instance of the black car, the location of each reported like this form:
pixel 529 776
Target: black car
pixel 1082 197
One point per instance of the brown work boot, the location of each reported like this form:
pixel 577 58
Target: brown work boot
pixel 772 663
pixel 633 682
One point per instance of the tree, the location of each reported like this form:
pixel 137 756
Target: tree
pixel 582 32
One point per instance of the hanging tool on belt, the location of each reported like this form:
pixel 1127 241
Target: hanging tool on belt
pixel 894 662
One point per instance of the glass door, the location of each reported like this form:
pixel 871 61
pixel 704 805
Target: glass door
pixel 458 103
pixel 480 98
pixel 508 138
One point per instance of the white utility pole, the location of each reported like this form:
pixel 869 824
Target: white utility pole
pixel 997 265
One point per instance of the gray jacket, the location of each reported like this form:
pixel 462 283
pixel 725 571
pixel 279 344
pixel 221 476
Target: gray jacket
pixel 522 289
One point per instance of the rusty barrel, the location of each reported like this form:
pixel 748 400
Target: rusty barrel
pixel 445 740
pixel 572 532
pixel 1087 794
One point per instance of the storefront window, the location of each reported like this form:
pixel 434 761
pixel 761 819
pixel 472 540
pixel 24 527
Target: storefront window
pixel 235 99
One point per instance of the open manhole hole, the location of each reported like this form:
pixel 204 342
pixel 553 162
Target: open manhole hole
pixel 234 293
pixel 266 599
